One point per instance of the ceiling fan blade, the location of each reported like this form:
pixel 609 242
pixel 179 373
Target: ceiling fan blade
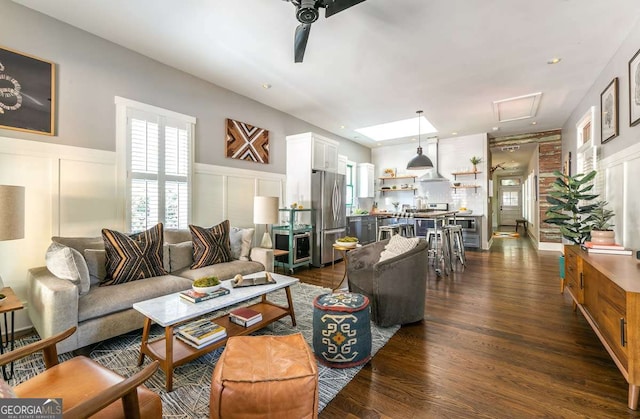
pixel 300 41
pixel 336 6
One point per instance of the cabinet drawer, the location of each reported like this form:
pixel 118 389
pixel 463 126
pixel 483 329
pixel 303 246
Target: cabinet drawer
pixel 572 274
pixel 607 305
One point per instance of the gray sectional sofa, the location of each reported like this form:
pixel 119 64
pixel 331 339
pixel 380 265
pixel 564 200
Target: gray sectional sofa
pixel 56 304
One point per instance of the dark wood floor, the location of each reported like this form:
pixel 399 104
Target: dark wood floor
pixel 498 341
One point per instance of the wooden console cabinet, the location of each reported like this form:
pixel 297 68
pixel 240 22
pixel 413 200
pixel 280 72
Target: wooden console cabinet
pixel 606 289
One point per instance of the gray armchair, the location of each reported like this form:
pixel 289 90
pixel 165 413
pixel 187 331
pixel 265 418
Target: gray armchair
pixel 395 287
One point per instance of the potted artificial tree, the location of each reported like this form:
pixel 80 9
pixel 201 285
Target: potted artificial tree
pixel 475 161
pixel 571 207
pixel 601 231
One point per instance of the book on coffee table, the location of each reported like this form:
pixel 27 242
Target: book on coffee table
pixel 202 345
pixel 245 316
pixel 201 332
pixel 196 297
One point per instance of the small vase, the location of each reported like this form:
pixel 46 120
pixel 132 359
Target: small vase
pixel 603 237
pixel 475 169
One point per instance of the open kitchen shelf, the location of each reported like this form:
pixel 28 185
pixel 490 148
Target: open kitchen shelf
pixel 397 177
pixel 475 187
pixel 399 189
pixel 455 174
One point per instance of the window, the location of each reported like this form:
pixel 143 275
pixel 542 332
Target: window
pixel 510 198
pixel 157 156
pixel 349 181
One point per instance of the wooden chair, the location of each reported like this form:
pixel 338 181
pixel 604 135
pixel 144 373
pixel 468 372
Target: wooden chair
pixel 86 387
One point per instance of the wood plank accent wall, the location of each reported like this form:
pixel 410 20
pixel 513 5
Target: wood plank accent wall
pixel 549 160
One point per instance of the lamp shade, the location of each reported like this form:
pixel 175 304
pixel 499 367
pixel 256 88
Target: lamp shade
pixel 265 209
pixel 11 212
pixel 420 162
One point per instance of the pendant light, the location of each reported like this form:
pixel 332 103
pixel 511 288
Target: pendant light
pixel 419 162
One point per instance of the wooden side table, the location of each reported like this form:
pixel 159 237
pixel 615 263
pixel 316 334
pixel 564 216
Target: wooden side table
pixel 343 250
pixel 276 254
pixel 7 337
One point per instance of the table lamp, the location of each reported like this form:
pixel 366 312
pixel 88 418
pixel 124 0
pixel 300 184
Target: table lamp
pixel 11 214
pixel 265 211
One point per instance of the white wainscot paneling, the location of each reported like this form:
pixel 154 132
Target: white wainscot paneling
pixel 240 201
pixel 208 199
pixel 631 205
pixel 16 256
pixel 614 195
pixel 88 200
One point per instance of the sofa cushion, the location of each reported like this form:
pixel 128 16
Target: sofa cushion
pixel 240 240
pixel 101 301
pixel 97 263
pixel 398 245
pixel 210 245
pixel 80 243
pixel 130 258
pixel 173 236
pixel 225 270
pixel 180 255
pixel 67 263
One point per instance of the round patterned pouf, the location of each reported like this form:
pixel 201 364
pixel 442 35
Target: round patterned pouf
pixel 341 329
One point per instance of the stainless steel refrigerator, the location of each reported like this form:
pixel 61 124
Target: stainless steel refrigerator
pixel 328 193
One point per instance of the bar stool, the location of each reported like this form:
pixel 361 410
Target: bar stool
pixel 407 229
pixel 431 236
pixel 385 232
pixel 456 243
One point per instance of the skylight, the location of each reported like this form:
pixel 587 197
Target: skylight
pixel 398 129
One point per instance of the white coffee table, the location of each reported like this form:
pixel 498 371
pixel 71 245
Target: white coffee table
pixel 171 310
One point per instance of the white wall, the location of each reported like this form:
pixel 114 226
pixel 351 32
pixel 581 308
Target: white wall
pixel 72 191
pixel 92 71
pixel 619 165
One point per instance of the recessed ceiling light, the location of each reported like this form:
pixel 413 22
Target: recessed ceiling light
pixel 266 86
pixel 397 129
pixel 495 128
pixel 341 126
pixel 534 123
pixel 555 60
pixel 454 133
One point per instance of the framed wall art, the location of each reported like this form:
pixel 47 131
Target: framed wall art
pixel 634 89
pixel 609 112
pixel 27 93
pixel 246 142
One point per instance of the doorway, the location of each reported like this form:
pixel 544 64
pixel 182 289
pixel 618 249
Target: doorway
pixel 509 200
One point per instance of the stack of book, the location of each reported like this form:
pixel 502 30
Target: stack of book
pixel 245 316
pixel 607 249
pixel 200 333
pixel 196 297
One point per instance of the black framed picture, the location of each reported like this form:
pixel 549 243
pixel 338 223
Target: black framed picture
pixel 609 112
pixel 27 93
pixel 634 89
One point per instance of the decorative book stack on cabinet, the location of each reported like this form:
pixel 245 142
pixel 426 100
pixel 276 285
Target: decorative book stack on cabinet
pixel 606 289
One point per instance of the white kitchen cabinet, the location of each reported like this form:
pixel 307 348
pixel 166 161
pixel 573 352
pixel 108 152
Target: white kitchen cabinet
pixel 307 152
pixel 325 154
pixel 342 164
pixel 366 180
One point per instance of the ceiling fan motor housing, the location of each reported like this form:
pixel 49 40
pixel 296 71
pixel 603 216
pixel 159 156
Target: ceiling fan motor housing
pixel 307 11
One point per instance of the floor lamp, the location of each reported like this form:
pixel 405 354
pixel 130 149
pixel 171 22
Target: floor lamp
pixel 11 214
pixel 265 211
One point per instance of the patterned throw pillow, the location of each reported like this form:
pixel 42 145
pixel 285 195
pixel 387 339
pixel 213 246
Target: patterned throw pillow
pixel 210 245
pixel 397 246
pixel 134 257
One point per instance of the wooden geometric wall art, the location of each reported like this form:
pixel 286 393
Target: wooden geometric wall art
pixel 27 93
pixel 246 142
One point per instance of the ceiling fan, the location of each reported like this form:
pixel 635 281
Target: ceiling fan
pixel 307 12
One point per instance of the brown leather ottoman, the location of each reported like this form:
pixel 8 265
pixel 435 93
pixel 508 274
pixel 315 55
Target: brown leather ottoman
pixel 265 376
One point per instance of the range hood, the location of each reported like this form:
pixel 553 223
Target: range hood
pixel 432 175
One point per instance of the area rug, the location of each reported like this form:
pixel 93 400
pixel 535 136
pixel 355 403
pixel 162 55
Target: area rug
pixel 192 382
pixel 506 235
